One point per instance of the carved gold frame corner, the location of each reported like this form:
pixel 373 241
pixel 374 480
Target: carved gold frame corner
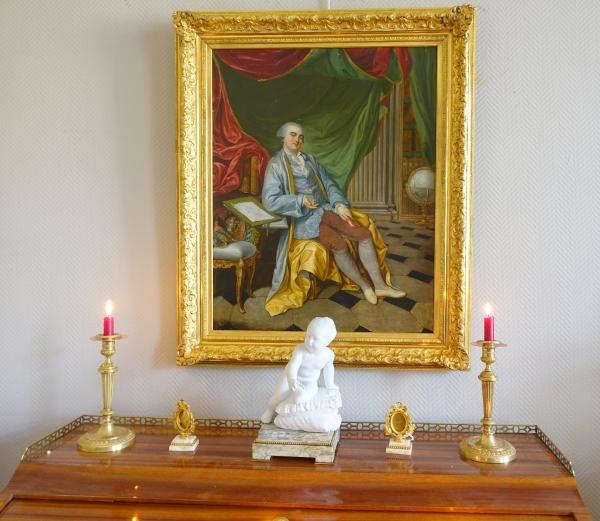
pixel 452 31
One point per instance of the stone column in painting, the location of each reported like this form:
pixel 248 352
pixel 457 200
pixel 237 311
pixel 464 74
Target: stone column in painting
pixel 373 188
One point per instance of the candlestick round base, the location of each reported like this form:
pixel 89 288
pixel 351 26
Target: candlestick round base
pixel 105 439
pixel 487 449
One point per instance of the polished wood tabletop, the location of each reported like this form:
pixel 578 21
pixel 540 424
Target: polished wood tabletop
pixel 219 481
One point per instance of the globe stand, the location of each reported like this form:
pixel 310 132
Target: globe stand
pixel 426 219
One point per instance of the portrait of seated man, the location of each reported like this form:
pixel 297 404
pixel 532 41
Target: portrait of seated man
pixel 325 235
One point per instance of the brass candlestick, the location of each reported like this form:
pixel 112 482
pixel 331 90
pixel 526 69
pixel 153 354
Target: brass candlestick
pixel 107 437
pixel 486 448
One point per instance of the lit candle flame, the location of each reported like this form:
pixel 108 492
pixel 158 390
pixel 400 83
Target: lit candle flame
pixel 488 309
pixel 108 308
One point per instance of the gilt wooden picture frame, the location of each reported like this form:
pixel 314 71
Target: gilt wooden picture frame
pixel 383 101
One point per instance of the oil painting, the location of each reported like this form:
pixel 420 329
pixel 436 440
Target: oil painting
pixel 324 166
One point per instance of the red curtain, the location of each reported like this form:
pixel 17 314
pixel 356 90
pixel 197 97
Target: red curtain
pixel 372 61
pixel 231 145
pixel 405 60
pixel 263 64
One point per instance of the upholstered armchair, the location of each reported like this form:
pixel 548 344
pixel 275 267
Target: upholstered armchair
pixel 242 256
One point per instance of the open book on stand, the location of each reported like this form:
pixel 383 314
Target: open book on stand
pixel 251 211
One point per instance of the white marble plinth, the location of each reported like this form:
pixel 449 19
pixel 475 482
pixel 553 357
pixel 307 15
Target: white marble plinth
pixel 273 441
pixel 188 444
pixel 403 447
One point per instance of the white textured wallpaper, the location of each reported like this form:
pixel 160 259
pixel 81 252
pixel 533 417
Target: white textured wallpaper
pixel 87 213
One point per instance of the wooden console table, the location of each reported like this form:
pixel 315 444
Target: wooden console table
pixel 220 482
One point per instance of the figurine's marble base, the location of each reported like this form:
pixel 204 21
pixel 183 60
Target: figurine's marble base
pixel 188 444
pixel 403 447
pixel 273 441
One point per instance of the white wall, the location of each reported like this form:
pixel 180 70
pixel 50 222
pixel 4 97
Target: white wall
pixel 87 213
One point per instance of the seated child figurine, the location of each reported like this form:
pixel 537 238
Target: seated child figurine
pixel 298 401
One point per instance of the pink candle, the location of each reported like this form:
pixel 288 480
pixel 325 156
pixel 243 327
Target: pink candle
pixel 109 322
pixel 488 325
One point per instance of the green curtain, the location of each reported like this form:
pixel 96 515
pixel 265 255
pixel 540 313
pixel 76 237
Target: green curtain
pixel 423 93
pixel 337 104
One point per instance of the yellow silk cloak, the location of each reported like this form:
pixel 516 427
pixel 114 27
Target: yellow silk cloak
pixel 310 256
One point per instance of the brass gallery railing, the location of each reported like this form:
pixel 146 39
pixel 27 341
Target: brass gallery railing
pixel 352 428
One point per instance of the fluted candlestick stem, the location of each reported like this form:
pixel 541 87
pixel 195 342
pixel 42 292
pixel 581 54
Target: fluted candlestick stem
pixel 487 448
pixel 107 437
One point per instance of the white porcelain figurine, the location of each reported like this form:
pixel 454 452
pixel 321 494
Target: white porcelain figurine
pixel 298 402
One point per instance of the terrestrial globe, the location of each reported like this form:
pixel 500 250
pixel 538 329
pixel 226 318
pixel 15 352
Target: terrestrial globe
pixel 420 187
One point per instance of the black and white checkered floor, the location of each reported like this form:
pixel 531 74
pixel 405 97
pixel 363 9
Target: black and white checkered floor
pixel 410 260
